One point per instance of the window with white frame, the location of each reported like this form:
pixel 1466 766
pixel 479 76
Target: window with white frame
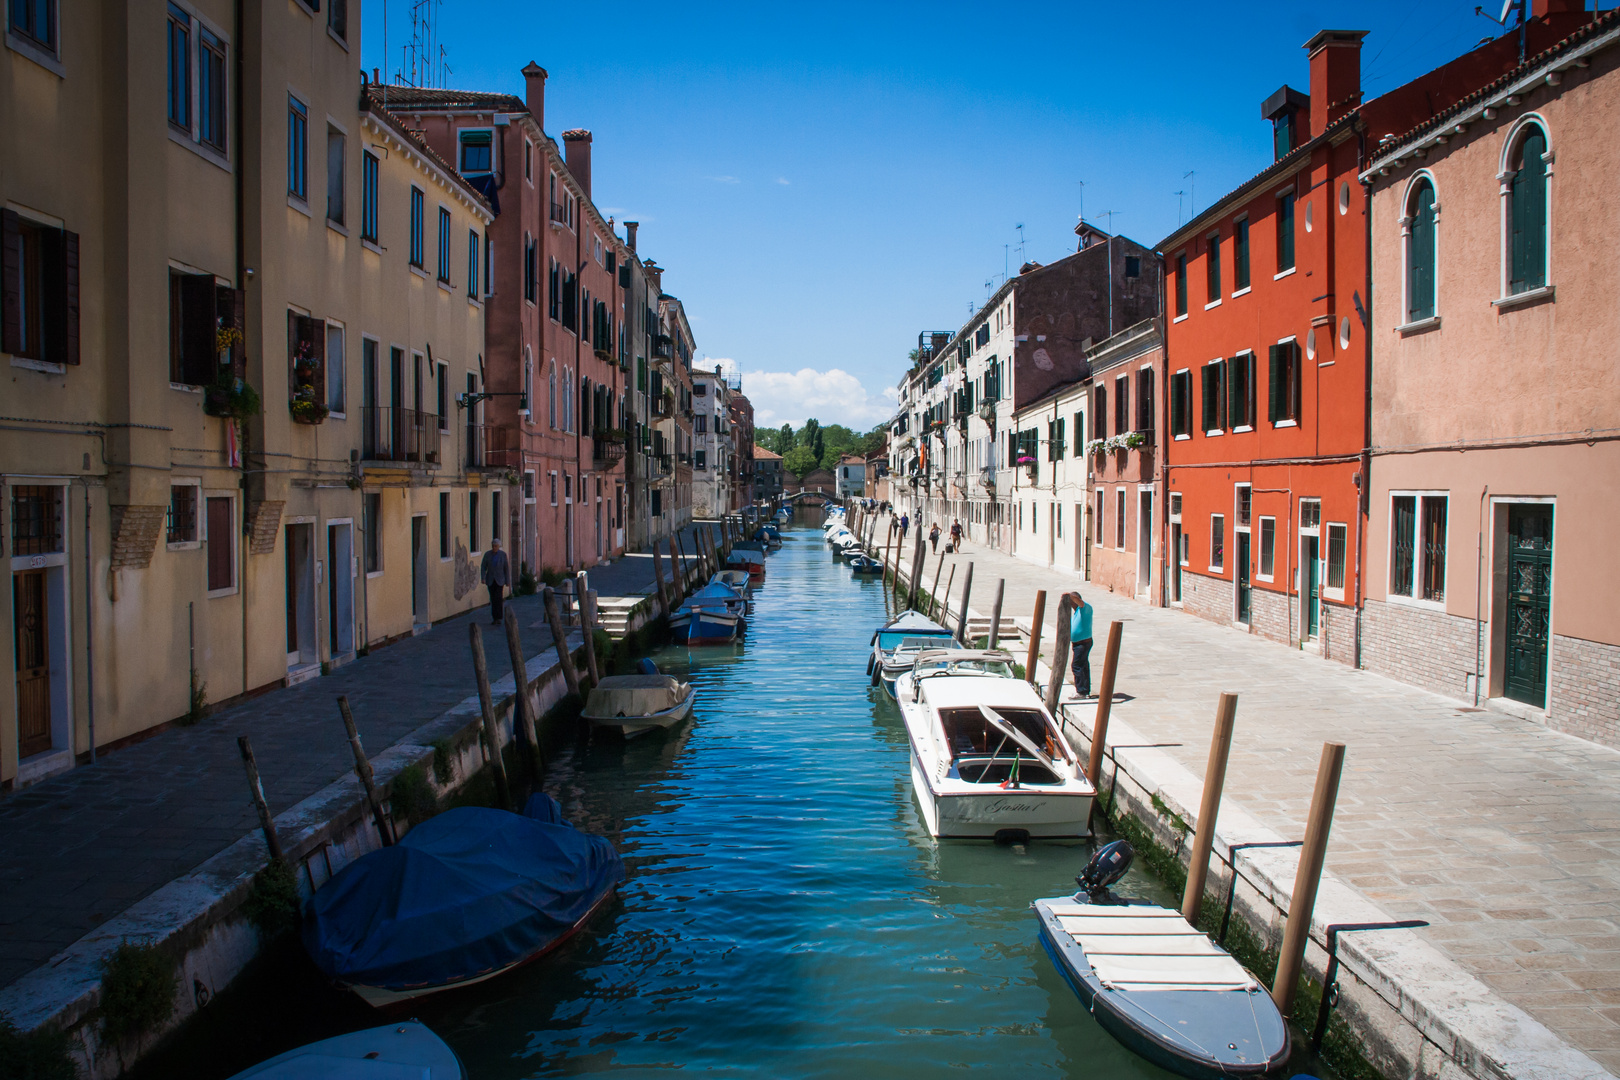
pixel 1337 539
pixel 334 368
pixel 182 528
pixel 1119 518
pixel 1268 549
pixel 1217 543
pixel 553 477
pixel 1526 170
pixel 1417 560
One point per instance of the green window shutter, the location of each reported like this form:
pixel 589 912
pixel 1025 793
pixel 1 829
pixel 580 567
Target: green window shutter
pixel 1057 447
pixel 1285 232
pixel 1420 256
pixel 1293 379
pixel 1274 384
pixel 1529 216
pixel 1209 376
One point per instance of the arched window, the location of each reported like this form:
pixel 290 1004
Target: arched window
pixel 1420 252
pixel 552 379
pixel 1527 211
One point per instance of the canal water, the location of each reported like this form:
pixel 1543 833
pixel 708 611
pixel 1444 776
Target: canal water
pixel 786 913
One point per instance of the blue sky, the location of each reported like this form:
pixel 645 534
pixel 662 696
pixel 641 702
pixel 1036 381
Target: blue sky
pixel 824 182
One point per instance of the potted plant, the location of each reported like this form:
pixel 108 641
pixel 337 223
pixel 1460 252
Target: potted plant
pixel 1031 465
pixel 306 408
pixel 230 397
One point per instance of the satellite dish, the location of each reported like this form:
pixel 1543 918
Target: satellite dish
pixel 1507 6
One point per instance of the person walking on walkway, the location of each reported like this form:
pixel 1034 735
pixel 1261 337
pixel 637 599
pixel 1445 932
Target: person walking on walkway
pixel 496 573
pixel 1080 645
pixel 933 537
pixel 956 535
pixel 905 523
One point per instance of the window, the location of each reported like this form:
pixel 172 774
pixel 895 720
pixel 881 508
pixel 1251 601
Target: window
pixel 489 264
pixel 179 97
pixel 297 149
pixel 337 18
pixel 334 368
pixel 1310 515
pixel 528 160
pixel 371 526
pixel 1101 502
pixel 441 390
pixel 1214 396
pixel 700 459
pixel 306 355
pixel 531 270
pixel 1079 448
pixel 1212 268
pixel 495 515
pixel 335 158
pixel 526 403
pixel 36 519
pixel 472 263
pixel 1240 391
pixel 554 293
pixel 1268 548
pixel 418 240
pixel 553 489
pixel 1099 413
pixel 1282 133
pixel 1527 213
pixel 193 353
pixel 1181 404
pixel 1217 543
pixel 700 424
pixel 476 153
pixel 1133 266
pixel 1240 255
pixel 1245 504
pixel 1335 560
pixel 1420 253
pixel 181 524
pixel 1119 518
pixel 1144 399
pixel 221 525
pixel 212 107
pixel 1417 566
pixel 1181 284
pixel 1122 404
pixel 368 197
pixel 36 21
pixel 1284 391
pixel 444 245
pixel 551 396
pixel 1285 232
pixel 473 544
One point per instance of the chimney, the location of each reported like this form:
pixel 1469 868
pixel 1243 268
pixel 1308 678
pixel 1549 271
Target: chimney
pixel 630 228
pixel 577 144
pixel 656 274
pixel 534 94
pixel 1540 9
pixel 1335 76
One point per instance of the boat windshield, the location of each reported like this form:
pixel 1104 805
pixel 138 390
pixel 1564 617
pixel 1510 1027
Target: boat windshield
pixel 976 666
pixel 890 640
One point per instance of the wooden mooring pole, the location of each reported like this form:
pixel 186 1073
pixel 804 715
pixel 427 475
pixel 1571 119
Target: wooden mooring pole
pixel 1105 704
pixel 658 578
pixel 1035 628
pixel 942 603
pixel 1060 653
pixel 1220 748
pixel 961 612
pixel 486 706
pixel 587 623
pixel 888 542
pixel 933 594
pixel 916 572
pixel 523 718
pixel 362 769
pixel 266 822
pixel 1308 877
pixel 995 614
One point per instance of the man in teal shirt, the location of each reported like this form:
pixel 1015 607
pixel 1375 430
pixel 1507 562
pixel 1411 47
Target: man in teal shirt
pixel 1080 645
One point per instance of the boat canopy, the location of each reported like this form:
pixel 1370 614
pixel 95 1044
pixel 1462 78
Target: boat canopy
pixel 633 695
pixel 715 591
pixel 465 893
pixel 954 660
pixel 909 623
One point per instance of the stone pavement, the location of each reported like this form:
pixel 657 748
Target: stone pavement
pixel 1503 834
pixel 78 849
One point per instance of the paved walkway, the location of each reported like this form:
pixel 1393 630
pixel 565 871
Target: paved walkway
pixel 1501 833
pixel 79 848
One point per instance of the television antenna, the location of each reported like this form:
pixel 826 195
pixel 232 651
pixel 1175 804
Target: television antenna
pixel 1191 176
pixel 1181 197
pixel 1020 228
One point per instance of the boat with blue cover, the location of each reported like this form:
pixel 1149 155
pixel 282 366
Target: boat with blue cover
pixel 714 615
pixel 1164 990
pixel 896 644
pixel 865 566
pixel 465 896
pixel 389 1052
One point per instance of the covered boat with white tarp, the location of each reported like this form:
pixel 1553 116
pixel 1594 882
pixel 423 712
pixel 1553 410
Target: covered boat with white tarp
pixel 639 703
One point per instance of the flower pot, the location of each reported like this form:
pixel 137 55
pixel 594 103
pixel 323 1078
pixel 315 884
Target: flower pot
pixel 309 418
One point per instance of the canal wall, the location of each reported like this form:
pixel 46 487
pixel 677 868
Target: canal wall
pixel 1404 1009
pixel 198 920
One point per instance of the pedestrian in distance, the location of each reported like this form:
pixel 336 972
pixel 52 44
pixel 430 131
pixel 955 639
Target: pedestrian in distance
pixel 1080 645
pixel 905 523
pixel 495 571
pixel 933 537
pixel 956 534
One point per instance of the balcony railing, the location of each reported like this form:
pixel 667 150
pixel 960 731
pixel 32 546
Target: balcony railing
pixel 489 446
pixel 662 347
pixel 398 434
pixel 557 214
pixel 606 449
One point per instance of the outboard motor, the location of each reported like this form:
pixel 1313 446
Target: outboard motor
pixel 1106 867
pixel 646 667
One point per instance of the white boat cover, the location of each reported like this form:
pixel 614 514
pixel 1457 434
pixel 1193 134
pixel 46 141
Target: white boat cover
pixel 1142 947
pixel 634 695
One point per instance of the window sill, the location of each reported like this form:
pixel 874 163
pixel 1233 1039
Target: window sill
pixel 215 594
pixel 210 154
pixel 184 545
pixel 1212 304
pixel 1283 274
pixel 1179 318
pixel 1284 423
pixel 473 301
pixel 299 205
pixel 37 53
pixel 1241 430
pixel 371 246
pixel 1182 438
pixel 419 272
pixel 1333 594
pixel 337 227
pixel 1213 434
pixel 1419 326
pixel 1217 570
pixel 333 34
pixel 446 286
pixel 28 363
pixel 185 388
pixel 1413 602
pixel 334 414
pixel 1245 291
pixel 1529 296
pixel 378 573
pixel 1264 578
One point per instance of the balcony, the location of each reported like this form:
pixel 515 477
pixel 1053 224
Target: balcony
pixel 558 216
pixel 397 434
pixel 662 347
pixel 665 464
pixel 488 446
pixel 664 404
pixel 607 447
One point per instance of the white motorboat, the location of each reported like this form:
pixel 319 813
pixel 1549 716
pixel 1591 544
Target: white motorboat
pixel 635 704
pixel 896 645
pixel 406 1049
pixel 987 759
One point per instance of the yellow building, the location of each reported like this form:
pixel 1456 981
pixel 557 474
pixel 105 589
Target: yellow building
pixel 176 229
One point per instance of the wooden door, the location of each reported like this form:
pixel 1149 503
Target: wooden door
pixel 1245 594
pixel 31 633
pixel 1529 603
pixel 1311 568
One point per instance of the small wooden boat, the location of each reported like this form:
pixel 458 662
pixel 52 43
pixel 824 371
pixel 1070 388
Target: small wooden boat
pixel 865 566
pixel 1156 984
pixel 892 652
pixel 987 759
pixel 734 579
pixel 750 559
pixel 714 615
pixel 636 704
pixel 467 895
pixel 379 1053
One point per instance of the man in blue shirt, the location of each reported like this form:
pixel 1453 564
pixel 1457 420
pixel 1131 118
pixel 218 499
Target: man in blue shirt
pixel 1080 645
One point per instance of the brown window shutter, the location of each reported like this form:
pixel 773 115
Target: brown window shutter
pixel 11 269
pixel 239 313
pixel 317 331
pixel 292 352
pixel 221 545
pixel 197 302
pixel 67 325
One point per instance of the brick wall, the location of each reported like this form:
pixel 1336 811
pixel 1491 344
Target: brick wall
pixel 264 525
pixel 1338 632
pixel 1585 691
pixel 1426 648
pixel 1268 614
pixel 134 535
pixel 1207 597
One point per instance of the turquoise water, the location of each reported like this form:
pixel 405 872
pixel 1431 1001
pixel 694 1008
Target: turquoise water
pixel 786 913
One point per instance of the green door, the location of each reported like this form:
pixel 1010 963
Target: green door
pixel 1311 569
pixel 1244 593
pixel 1529 603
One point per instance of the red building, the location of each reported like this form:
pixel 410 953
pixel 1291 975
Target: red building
pixel 1269 355
pixel 555 356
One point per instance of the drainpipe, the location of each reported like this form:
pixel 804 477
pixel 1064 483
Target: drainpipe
pixel 89 632
pixel 1365 486
pixel 1479 594
pixel 241 283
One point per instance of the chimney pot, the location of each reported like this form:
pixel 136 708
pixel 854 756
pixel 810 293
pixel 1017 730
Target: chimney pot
pixel 630 228
pixel 534 94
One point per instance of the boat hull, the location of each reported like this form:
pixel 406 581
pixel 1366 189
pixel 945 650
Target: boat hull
pixel 397 1049
pixel 701 627
pixel 1045 813
pixel 640 725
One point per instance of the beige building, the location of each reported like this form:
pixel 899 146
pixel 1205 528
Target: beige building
pixel 173 234
pixel 1495 474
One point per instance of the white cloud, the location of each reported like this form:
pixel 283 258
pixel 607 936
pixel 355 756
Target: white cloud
pixel 833 396
pixel 723 179
pixel 783 180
